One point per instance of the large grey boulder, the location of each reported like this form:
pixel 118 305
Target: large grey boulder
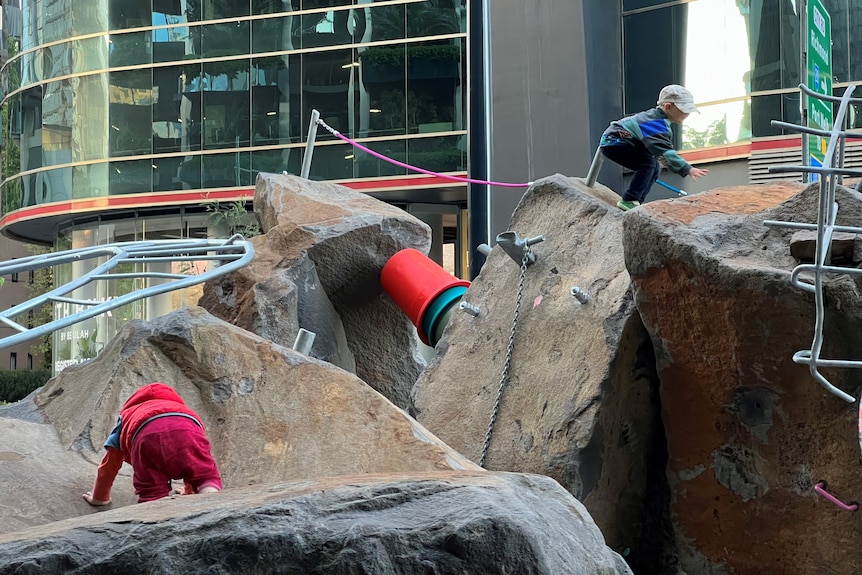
pixel 271 414
pixel 580 401
pixel 317 267
pixel 477 523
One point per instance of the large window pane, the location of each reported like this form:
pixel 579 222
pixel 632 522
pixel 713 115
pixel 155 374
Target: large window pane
pixel 773 43
pixel 271 161
pixel 388 23
pixel 130 177
pixel 167 110
pixel 764 109
pixel 130 49
pixel 57 120
pixel 326 85
pixel 90 180
pixel 271 6
pixel 166 174
pixel 190 172
pixel 90 127
pixel 225 39
pixel 129 14
pixel 131 121
pixel 652 60
pixel 384 80
pixel 266 101
pixel 273 34
pixel 226 107
pixel 718 125
pixel 717 34
pixel 227 170
pixel 431 18
pixel 332 162
pixel 192 80
pixel 434 80
pixel 855 41
pixel 53 185
pixel 370 166
pixel 440 154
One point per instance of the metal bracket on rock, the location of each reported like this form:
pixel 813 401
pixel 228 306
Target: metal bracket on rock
pixel 518 248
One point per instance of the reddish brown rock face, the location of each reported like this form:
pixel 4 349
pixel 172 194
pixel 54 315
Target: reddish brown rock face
pixel 749 431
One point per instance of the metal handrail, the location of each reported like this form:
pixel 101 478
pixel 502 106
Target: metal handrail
pixel 233 253
pixel 832 172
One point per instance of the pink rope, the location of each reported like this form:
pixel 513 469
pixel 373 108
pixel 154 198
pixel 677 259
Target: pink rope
pixel 414 168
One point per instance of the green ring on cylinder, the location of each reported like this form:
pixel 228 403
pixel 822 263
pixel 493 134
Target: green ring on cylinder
pixel 438 309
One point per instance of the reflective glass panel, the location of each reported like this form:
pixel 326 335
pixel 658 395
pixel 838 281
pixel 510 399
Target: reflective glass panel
pixel 90 180
pixel 717 32
pixel 327 82
pixel 131 123
pixel 269 106
pixel 718 125
pixel 369 166
pixel 435 75
pixel 166 174
pixel 130 14
pixel 57 121
pixel 439 154
pixel 53 185
pixel 855 41
pixel 384 79
pixel 226 106
pixel 90 127
pixel 227 170
pixel 190 172
pixel 130 49
pixel 388 22
pixel 271 161
pixel 168 110
pixel 130 177
pixel 225 39
pixel 652 60
pixel 432 18
pixel 270 6
pixel 332 162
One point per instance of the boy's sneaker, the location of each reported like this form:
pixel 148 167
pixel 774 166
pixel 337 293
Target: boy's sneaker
pixel 626 206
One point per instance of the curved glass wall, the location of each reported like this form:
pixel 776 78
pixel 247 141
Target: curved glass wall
pixel 145 96
pixel 741 59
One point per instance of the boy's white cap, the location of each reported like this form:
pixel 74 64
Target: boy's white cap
pixel 679 97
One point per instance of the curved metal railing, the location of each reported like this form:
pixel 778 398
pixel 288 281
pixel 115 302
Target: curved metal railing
pixel 233 253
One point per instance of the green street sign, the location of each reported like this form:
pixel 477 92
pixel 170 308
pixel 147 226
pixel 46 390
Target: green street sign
pixel 819 78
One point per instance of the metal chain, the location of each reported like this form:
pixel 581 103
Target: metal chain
pixel 504 377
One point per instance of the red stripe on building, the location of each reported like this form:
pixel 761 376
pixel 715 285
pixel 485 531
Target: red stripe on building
pixel 104 203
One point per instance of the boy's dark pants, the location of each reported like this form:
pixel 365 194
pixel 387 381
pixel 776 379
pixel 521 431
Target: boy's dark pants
pixel 637 159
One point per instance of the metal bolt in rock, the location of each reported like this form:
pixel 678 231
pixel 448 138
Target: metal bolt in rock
pixel 580 295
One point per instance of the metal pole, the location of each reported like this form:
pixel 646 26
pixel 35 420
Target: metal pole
pixel 304 341
pixel 309 145
pixel 598 160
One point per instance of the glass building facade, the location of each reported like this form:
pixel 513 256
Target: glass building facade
pixel 161 107
pixel 741 59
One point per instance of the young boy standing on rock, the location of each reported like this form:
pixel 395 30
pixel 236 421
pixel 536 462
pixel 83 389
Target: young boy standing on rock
pixel 163 439
pixel 636 142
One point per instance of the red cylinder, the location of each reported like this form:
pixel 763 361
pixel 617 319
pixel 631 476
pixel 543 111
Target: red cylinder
pixel 414 281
